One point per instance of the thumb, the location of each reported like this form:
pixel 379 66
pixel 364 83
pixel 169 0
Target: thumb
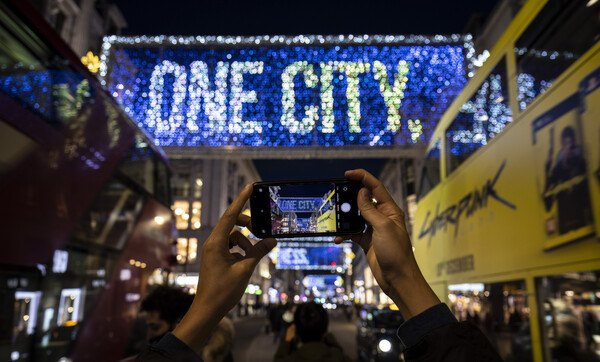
pixel 368 211
pixel 260 249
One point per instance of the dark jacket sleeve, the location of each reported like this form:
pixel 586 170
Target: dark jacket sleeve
pixel 169 348
pixel 284 349
pixel 435 335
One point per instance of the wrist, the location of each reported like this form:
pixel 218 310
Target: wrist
pixel 412 294
pixel 198 323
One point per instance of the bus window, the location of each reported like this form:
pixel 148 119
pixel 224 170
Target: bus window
pixel 430 176
pixel 138 165
pixel 570 315
pixel 479 119
pixel 501 312
pixel 162 184
pixel 559 35
pixel 112 216
pixel 144 167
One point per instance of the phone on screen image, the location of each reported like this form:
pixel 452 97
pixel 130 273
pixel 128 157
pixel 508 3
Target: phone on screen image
pixel 305 208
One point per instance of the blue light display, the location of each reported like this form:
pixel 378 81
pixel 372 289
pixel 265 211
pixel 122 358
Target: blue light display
pixel 310 257
pixel 286 92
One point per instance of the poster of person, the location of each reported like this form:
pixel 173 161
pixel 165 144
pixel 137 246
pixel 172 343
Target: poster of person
pixel 562 174
pixel 589 109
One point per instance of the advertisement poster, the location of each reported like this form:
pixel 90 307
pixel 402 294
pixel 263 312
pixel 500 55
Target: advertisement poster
pixel 562 176
pixel 589 107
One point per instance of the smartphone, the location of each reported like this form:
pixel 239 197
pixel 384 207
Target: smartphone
pixel 305 208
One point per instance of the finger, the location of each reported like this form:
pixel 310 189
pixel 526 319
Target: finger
pixel 237 238
pixel 230 217
pixel 380 193
pixel 368 211
pixel 365 240
pixel 244 221
pixel 260 249
pixel 237 256
pixel 339 239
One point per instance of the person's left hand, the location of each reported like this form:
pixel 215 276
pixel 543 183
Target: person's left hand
pixel 223 275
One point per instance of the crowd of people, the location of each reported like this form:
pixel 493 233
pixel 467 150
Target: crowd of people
pixel 430 331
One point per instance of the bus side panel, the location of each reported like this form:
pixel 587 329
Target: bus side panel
pixel 112 319
pixel 482 219
pixel 489 217
pixel 47 193
pixel 589 94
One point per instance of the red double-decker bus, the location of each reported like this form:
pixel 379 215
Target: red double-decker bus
pixel 86 226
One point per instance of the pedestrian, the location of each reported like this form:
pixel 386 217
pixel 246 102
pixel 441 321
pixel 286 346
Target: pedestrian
pixel 307 339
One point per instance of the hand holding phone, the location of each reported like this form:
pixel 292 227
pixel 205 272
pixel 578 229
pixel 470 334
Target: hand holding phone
pixel 306 208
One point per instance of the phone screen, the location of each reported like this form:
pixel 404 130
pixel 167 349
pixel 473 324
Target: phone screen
pixel 306 208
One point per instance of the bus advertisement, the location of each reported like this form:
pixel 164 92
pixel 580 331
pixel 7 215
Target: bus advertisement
pixel 508 219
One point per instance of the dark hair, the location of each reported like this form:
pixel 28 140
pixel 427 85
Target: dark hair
pixel 171 303
pixel 568 132
pixel 311 321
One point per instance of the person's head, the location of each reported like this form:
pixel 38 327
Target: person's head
pixel 311 322
pixel 164 308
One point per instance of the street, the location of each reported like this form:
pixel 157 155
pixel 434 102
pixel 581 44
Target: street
pixel 251 343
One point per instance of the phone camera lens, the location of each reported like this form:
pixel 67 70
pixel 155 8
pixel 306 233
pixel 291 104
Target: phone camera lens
pixel 345 188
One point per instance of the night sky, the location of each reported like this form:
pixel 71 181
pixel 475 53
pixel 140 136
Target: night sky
pixel 226 17
pixel 260 17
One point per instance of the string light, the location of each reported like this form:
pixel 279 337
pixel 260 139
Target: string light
pixel 286 91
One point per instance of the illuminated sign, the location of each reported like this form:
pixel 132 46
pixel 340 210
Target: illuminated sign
pixel 322 282
pixel 278 91
pixel 299 204
pixel 310 257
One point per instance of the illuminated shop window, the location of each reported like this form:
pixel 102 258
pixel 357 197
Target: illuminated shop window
pixel 71 304
pixel 187 250
pixel 196 208
pixel 182 214
pixel 26 308
pixel 501 312
pixel 198 188
pixel 182 244
pixel 569 313
pixel 192 250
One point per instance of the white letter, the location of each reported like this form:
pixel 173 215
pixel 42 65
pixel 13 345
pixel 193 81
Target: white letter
pixel 157 84
pixel 199 89
pixel 288 99
pixel 392 97
pixel 351 69
pixel 352 93
pixel 327 97
pixel 239 96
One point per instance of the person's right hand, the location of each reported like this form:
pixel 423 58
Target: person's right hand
pixel 388 248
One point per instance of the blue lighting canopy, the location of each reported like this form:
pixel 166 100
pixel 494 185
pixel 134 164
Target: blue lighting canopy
pixel 275 91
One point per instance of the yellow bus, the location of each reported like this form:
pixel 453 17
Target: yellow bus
pixel 508 219
pixel 326 215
